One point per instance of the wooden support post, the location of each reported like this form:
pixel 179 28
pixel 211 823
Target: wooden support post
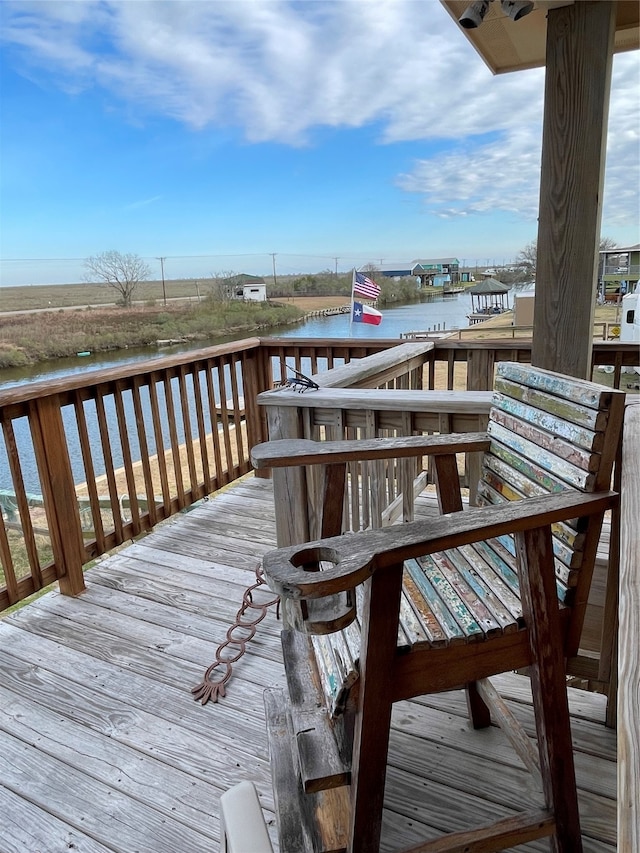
pixel 629 661
pixel 480 369
pixel 578 80
pixel 61 503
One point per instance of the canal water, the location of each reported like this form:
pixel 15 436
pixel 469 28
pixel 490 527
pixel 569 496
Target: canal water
pixel 441 313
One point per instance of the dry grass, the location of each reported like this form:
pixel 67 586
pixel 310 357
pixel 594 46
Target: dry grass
pixel 315 303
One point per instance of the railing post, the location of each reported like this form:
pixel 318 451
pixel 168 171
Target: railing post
pixel 480 369
pixel 60 500
pixel 289 484
pixel 255 378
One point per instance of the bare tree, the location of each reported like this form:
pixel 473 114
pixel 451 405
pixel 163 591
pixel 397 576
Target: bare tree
pixel 527 258
pixel 223 285
pixel 121 272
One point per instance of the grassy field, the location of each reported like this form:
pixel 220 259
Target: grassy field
pixel 39 296
pixel 53 296
pixel 30 337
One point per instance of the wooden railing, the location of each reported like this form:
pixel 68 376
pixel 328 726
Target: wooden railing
pixel 116 451
pixel 92 460
pixel 364 400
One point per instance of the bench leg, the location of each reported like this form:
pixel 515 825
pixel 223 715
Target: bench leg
pixel 548 683
pixel 373 719
pixel 479 712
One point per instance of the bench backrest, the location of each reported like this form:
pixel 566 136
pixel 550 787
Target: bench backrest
pixel 550 433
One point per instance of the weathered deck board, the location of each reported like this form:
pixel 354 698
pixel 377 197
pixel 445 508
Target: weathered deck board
pixel 103 747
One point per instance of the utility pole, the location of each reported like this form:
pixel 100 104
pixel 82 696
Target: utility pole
pixel 164 291
pixel 336 260
pixel 275 280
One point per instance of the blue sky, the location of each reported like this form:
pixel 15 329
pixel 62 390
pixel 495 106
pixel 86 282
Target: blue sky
pixel 217 133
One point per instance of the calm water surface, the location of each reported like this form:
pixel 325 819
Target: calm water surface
pixel 448 313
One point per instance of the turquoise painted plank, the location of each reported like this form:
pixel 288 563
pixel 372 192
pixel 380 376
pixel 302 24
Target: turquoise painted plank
pixel 539 457
pixel 448 624
pixel 447 598
pixel 570 388
pixel 582 437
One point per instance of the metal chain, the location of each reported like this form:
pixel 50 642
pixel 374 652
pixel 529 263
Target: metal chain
pixel 213 685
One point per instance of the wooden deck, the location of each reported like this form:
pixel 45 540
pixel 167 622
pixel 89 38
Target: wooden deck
pixel 102 747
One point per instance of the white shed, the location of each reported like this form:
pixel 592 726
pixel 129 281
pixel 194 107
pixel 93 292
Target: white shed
pixel 254 292
pixel 251 288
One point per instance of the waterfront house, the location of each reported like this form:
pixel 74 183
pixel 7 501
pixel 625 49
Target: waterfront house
pixel 433 272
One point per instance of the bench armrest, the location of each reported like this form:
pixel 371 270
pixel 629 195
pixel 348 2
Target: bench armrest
pixel 284 453
pixel 352 558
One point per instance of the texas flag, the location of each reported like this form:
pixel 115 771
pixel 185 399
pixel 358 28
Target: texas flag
pixel 364 314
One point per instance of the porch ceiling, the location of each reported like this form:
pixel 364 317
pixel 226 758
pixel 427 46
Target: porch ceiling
pixel 506 45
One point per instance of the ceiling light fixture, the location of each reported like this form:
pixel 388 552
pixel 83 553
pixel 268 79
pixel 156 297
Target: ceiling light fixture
pixel 516 9
pixel 474 14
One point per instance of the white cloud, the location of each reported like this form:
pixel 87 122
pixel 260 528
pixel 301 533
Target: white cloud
pixel 142 203
pixel 499 175
pixel 276 70
pixel 477 176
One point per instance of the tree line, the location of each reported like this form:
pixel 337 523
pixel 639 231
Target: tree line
pixel 124 272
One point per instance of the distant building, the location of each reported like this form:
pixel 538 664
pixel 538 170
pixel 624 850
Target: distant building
pixel 618 272
pixel 251 288
pixel 435 272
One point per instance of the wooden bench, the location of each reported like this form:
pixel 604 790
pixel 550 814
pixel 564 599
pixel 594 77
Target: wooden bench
pixel 432 605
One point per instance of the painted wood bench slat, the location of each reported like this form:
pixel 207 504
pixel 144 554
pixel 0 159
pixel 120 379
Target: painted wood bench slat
pixel 494 485
pixel 428 598
pixel 592 418
pixel 546 437
pixel 471 613
pixel 479 577
pixel 506 410
pixel 525 456
pixel 568 387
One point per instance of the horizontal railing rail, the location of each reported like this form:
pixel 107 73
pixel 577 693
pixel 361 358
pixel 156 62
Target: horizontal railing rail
pixel 110 453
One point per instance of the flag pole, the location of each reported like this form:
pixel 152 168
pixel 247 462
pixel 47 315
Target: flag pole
pixel 353 287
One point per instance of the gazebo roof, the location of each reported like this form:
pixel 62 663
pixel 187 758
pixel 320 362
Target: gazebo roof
pixel 506 45
pixel 488 286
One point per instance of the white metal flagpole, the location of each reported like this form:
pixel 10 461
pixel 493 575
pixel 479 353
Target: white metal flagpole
pixel 353 287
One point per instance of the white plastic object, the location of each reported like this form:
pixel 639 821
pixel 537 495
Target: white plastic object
pixel 242 825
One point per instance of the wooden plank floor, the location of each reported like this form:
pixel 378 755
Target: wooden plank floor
pixel 102 747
